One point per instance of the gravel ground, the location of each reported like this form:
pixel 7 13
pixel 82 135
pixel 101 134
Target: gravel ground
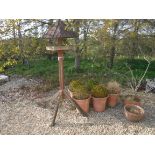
pixel 23 111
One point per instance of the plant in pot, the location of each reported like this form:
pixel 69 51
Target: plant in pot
pixel 89 85
pixel 132 99
pixel 99 95
pixel 82 97
pixel 133 112
pixel 73 85
pixel 114 92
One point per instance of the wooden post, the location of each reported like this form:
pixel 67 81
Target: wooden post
pixel 61 68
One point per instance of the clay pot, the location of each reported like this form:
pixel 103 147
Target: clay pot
pixel 83 104
pixel 134 117
pixel 112 100
pixel 132 102
pixel 99 104
pixel 127 101
pixel 91 101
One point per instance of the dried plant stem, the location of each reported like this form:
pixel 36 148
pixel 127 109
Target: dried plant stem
pixel 139 82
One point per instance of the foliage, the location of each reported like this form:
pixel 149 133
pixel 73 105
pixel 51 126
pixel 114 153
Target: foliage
pixel 99 91
pixel 46 69
pixel 106 40
pixel 80 92
pixel 74 84
pixel 113 87
pixel 90 84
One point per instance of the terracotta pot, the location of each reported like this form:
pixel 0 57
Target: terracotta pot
pixel 91 101
pixel 127 101
pixel 112 100
pixel 132 102
pixel 83 104
pixel 99 104
pixel 134 117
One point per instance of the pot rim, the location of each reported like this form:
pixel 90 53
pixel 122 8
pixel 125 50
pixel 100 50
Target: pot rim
pixel 99 97
pixel 128 105
pixel 126 96
pixel 82 99
pixel 113 94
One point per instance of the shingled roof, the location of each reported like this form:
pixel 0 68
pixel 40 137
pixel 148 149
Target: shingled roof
pixel 58 31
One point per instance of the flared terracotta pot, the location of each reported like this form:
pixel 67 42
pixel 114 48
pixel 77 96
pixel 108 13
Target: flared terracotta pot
pixel 99 104
pixel 132 102
pixel 134 117
pixel 113 100
pixel 83 104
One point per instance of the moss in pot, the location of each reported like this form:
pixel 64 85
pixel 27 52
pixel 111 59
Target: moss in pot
pixel 82 97
pixel 90 83
pixel 73 85
pixel 99 95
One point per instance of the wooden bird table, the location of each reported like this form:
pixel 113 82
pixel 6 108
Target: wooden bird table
pixel 62 94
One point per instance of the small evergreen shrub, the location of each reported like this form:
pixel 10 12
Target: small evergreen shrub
pixel 80 93
pixel 99 91
pixel 74 84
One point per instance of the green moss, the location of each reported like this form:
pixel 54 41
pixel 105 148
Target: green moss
pixel 99 91
pixel 74 84
pixel 81 93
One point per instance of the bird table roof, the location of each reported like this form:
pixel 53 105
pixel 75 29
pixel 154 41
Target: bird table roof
pixel 59 31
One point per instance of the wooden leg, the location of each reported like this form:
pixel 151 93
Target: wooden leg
pixel 55 114
pixel 57 97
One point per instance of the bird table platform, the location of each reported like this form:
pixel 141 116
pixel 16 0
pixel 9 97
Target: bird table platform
pixel 60 48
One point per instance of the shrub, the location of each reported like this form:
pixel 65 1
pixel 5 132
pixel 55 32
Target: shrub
pixel 99 91
pixel 90 84
pixel 74 84
pixel 80 93
pixel 113 87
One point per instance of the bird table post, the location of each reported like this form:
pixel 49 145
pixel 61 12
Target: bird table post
pixel 61 68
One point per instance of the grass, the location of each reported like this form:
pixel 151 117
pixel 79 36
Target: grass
pixel 48 70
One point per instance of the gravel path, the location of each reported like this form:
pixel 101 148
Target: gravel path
pixel 23 111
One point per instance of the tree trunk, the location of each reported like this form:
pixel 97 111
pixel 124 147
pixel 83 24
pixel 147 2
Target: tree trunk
pixel 50 24
pixel 77 42
pixel 20 43
pixel 14 31
pixel 113 49
pixel 112 56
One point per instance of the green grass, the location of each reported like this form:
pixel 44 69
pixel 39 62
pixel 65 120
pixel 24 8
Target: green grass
pixel 47 69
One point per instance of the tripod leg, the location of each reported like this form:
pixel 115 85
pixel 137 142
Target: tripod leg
pixel 55 114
